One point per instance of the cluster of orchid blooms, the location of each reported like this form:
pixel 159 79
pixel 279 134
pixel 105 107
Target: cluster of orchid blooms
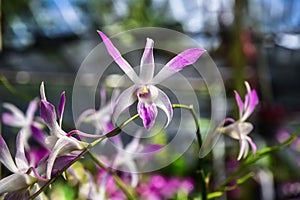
pixel 32 167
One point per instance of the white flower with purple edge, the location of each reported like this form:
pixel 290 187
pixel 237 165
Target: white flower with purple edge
pixel 240 129
pixel 24 174
pixel 27 122
pixel 125 157
pixel 59 142
pixel 101 118
pixel 144 90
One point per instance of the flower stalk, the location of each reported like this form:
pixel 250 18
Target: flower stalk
pixel 193 112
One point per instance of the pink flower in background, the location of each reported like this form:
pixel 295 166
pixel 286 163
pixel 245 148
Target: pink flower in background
pixel 144 90
pixel 240 129
pixel 160 187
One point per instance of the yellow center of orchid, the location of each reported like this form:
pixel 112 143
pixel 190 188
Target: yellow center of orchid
pixel 144 91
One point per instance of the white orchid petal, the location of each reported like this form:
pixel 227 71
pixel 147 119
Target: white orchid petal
pixel 246 150
pixel 11 120
pixel 248 87
pixel 42 92
pixel 246 128
pixel 242 148
pixel 63 145
pixel 125 99
pixel 5 156
pixel 147 62
pixel 182 60
pixel 126 162
pixel 57 131
pixel 252 144
pixel 233 130
pixel 61 107
pixel 14 182
pixel 16 118
pixel 13 109
pixel 163 102
pixel 21 159
pixel 115 54
pixel 32 107
pixel 131 167
pixel 134 179
pixel 50 141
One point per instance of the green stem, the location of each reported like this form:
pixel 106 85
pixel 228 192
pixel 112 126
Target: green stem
pixel 199 139
pixel 203 185
pixel 128 192
pixel 193 112
pixel 128 121
pixel 241 181
pixel 259 155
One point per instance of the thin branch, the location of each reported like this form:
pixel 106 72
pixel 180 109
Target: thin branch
pixel 60 172
pixel 193 112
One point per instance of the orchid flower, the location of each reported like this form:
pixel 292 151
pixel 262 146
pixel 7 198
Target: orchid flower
pixel 240 129
pixel 24 176
pixel 26 122
pixel 126 155
pixel 144 90
pixel 100 119
pixel 105 187
pixel 59 142
pixel 124 159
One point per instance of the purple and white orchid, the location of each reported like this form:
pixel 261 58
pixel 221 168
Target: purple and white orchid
pixel 100 119
pixel 144 90
pixel 59 142
pixel 25 176
pixel 25 122
pixel 125 158
pixel 240 129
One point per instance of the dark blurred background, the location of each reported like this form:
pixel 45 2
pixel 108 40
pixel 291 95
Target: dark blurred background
pixel 254 40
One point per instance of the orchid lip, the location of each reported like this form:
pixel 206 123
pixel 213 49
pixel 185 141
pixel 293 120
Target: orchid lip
pixel 148 113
